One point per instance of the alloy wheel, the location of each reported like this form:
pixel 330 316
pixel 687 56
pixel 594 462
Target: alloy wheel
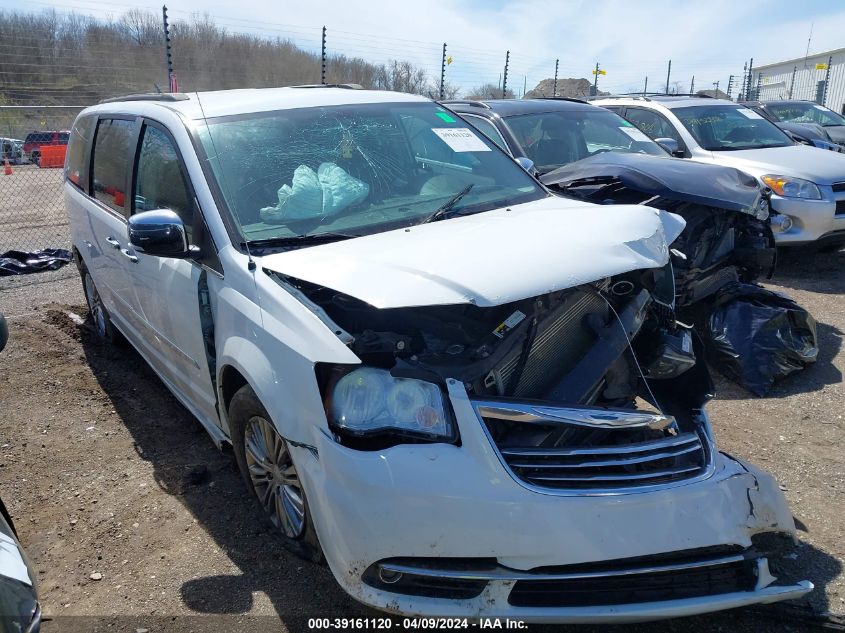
pixel 95 305
pixel 274 477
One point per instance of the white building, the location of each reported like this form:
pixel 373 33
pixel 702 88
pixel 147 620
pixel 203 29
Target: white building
pixel 804 78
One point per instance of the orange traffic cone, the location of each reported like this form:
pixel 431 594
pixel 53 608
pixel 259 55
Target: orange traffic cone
pixel 7 169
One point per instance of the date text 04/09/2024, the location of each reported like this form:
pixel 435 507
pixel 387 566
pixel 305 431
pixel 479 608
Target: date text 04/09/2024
pixel 434 624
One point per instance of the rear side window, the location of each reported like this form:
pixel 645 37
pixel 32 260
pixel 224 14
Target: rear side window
pixel 159 180
pixel 111 161
pixel 63 137
pixel 76 166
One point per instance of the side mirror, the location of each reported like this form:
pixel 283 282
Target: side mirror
pixel 160 233
pixel 671 146
pixel 527 164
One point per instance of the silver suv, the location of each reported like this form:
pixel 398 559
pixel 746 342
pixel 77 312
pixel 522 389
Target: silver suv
pixel 808 185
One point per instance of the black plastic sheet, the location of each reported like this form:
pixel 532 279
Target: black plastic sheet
pixel 756 336
pixel 22 263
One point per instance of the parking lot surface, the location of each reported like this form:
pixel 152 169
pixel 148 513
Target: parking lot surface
pixel 135 521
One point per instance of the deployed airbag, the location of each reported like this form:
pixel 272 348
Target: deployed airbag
pixel 756 336
pixel 319 194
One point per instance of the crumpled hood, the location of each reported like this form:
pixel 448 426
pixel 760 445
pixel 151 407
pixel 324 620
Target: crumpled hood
pixel 836 133
pixel 674 178
pixel 809 131
pixel 798 161
pixel 488 258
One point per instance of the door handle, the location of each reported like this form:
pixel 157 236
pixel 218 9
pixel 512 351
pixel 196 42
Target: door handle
pixel 113 242
pixel 129 255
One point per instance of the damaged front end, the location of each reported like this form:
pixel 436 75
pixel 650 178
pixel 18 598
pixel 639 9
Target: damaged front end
pixel 545 458
pixel 597 348
pixel 728 237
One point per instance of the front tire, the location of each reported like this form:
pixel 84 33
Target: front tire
pixel 267 466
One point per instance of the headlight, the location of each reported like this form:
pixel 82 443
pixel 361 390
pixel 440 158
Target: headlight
pixel 792 187
pixel 369 400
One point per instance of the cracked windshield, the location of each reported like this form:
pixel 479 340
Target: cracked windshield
pixel 345 171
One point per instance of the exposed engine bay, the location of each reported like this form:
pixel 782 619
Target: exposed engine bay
pixel 599 345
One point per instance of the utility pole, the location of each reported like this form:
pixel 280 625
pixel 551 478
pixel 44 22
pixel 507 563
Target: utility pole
pixel 692 85
pixel 443 74
pixel 596 79
pixel 730 86
pixel 826 80
pixel 740 96
pixel 716 87
pixel 168 56
pixel 323 57
pixel 505 76
pixel 645 86
pixel 524 85
pixel 792 81
pixel 554 89
pixel 750 79
pixel 668 73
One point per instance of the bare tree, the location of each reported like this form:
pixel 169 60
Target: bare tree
pixel 141 27
pixel 489 91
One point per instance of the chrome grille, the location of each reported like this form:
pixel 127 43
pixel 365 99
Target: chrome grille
pixel 559 343
pixel 574 456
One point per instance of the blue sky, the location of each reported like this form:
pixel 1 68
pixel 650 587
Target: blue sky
pixel 631 39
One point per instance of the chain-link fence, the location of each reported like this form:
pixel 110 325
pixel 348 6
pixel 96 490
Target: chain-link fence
pixel 34 139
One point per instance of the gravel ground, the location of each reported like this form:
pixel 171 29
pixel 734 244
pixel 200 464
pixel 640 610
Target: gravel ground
pixel 135 521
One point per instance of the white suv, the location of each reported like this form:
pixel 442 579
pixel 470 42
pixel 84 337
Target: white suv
pixel 425 363
pixel 808 185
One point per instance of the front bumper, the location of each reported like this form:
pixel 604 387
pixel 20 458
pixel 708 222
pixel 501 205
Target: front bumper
pixel 439 501
pixel 811 220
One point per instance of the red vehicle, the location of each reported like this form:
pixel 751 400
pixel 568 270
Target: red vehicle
pixel 34 140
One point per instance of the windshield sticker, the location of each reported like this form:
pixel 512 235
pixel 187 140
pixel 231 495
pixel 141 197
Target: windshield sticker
pixel 748 113
pixel 508 324
pixel 627 123
pixel 822 108
pixel 446 117
pixel 635 133
pixel 460 139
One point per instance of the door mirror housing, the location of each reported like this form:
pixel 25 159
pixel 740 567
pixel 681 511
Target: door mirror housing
pixel 160 233
pixel 671 146
pixel 527 164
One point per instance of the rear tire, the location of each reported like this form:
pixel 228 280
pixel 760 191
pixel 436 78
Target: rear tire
pixel 267 466
pixel 97 313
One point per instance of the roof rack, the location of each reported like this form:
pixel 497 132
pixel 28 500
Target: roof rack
pixel 470 102
pixel 631 96
pixel 575 99
pixel 682 94
pixel 150 96
pixel 344 86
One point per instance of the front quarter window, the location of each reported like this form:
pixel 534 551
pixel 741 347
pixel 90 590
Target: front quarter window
pixel 351 170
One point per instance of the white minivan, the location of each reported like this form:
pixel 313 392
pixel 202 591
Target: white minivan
pixel 468 396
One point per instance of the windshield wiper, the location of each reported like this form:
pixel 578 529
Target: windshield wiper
pixel 444 208
pixel 298 240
